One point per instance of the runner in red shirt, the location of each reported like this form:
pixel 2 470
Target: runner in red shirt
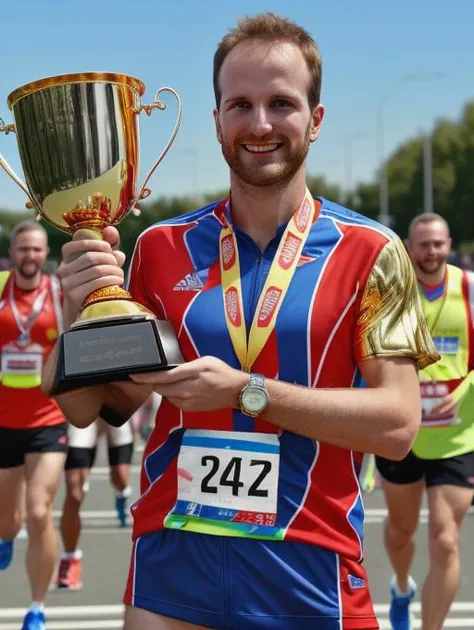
pixel 250 513
pixel 33 430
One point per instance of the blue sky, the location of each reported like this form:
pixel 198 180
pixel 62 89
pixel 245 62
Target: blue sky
pixel 368 46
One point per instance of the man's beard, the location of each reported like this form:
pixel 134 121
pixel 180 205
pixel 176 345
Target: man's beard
pixel 266 174
pixel 29 273
pixel 430 270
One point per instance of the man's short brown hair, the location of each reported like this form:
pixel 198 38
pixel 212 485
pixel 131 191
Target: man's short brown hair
pixel 272 28
pixel 29 225
pixel 426 217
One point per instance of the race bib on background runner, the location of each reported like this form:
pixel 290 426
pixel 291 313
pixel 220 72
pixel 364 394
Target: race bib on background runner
pixel 21 366
pixel 227 484
pixel 432 395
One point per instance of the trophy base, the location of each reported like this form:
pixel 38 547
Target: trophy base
pixel 109 351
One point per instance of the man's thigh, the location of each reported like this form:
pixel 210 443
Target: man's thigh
pixel 13 444
pixel 139 619
pixel 409 470
pixel 118 436
pixel 450 490
pixel 12 478
pixel 85 438
pixel 403 484
pixel 120 455
pixel 451 471
pixel 447 506
pixel 80 459
pixel 44 463
pixel 12 482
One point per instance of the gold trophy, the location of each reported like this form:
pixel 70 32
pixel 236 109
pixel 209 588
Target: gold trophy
pixel 78 139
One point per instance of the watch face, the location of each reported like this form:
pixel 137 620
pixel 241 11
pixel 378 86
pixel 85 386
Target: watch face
pixel 254 399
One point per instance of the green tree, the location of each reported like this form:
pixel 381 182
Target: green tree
pixel 453 190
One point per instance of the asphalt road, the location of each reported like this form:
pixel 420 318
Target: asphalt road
pixel 106 551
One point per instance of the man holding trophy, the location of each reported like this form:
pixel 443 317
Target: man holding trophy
pixel 250 514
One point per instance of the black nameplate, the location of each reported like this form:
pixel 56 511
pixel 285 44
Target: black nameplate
pixel 110 352
pixel 93 350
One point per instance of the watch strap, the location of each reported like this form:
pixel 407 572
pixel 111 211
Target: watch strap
pixel 256 380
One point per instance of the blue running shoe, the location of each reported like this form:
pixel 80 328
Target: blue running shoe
pixel 400 617
pixel 34 620
pixel 121 507
pixel 6 553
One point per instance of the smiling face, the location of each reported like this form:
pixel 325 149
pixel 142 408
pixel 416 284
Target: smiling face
pixel 264 122
pixel 429 246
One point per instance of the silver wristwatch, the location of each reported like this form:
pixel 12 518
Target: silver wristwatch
pixel 254 396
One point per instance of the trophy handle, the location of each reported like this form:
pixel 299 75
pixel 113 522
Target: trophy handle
pixel 6 129
pixel 157 104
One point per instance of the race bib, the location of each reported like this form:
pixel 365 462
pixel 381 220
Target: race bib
pixel 227 484
pixel 21 367
pixel 433 394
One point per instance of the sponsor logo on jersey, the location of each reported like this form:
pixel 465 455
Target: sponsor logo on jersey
pixel 190 282
pixel 356 582
pixel 446 345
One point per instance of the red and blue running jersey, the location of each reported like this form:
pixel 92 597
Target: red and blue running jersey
pixel 353 297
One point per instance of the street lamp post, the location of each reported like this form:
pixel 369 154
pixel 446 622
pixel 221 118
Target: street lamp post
pixel 427 173
pixel 348 140
pixel 384 216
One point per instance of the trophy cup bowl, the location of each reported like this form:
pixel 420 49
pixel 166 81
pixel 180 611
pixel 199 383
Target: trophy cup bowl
pixel 78 140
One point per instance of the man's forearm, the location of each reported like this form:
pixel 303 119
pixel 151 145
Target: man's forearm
pixel 375 420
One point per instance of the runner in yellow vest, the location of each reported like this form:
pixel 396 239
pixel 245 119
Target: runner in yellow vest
pixel 4 275
pixel 442 457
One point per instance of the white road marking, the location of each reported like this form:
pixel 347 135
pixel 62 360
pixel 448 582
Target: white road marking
pixel 110 617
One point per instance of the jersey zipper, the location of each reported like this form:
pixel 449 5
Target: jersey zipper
pixel 256 289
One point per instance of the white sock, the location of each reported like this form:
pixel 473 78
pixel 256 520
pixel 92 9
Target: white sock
pixel 37 606
pixel 72 555
pixel 411 586
pixel 125 493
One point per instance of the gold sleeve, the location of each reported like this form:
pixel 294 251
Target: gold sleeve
pixel 391 320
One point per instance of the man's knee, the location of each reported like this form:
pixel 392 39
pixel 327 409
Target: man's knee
pixel 38 517
pixel 75 482
pixel 399 534
pixel 75 495
pixel 444 544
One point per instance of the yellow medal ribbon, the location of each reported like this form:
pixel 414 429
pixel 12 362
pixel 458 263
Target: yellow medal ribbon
pixel 276 285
